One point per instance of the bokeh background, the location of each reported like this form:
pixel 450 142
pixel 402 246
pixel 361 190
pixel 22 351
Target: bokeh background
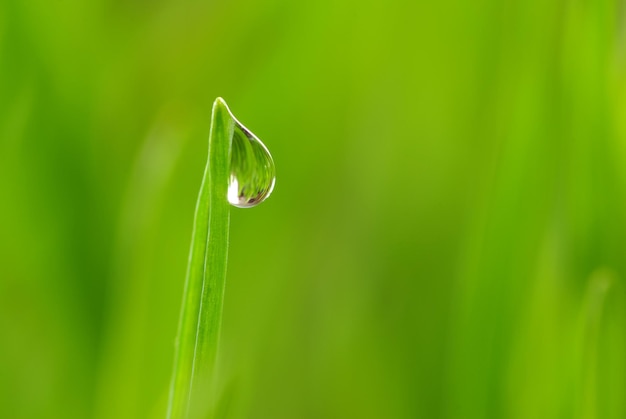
pixel 446 238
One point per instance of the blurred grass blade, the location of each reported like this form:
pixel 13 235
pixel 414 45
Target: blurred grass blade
pixel 600 382
pixel 198 332
pixel 599 286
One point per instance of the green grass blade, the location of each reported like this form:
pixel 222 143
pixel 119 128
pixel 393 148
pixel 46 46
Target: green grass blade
pixel 198 333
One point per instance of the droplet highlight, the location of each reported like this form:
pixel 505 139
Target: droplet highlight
pixel 252 171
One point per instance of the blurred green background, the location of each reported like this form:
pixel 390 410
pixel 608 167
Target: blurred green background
pixel 446 238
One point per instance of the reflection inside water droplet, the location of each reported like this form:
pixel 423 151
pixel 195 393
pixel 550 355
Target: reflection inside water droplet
pixel 252 172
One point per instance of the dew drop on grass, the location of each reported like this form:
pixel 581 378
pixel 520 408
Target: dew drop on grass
pixel 252 172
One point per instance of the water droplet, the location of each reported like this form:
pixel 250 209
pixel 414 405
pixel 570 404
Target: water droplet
pixel 252 171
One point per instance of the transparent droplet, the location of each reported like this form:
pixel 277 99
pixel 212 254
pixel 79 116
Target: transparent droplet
pixel 252 172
